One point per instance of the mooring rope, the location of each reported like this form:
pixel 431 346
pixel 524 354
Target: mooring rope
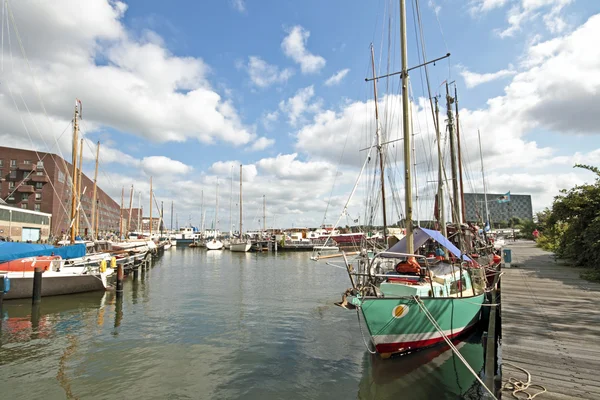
pixel 449 342
pixel 362 333
pixel 518 386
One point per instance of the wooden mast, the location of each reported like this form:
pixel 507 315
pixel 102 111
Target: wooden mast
pixel 487 211
pixel 241 208
pixel 440 194
pixel 150 208
pixel 460 171
pixel 94 231
pixel 379 146
pixel 455 192
pixel 79 186
pixel 410 248
pixel 74 176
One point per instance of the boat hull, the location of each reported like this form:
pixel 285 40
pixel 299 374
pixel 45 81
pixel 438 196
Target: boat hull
pixel 29 264
pixel 241 247
pixel 214 245
pixel 398 325
pixel 54 284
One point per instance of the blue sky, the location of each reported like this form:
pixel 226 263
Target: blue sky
pixel 186 91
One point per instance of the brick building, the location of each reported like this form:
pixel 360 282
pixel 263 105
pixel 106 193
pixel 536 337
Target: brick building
pixel 40 182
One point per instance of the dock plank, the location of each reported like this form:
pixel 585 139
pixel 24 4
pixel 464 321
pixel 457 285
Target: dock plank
pixel 550 324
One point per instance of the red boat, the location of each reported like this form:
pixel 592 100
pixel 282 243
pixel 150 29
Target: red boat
pixel 29 264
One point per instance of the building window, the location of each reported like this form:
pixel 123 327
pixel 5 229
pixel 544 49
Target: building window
pixel 27 162
pixel 37 207
pixel 61 176
pixel 11 185
pixel 40 165
pixel 39 185
pixel 24 197
pixel 11 198
pixel 1 162
pixel 13 174
pixel 38 196
pixel 24 206
pixel 39 173
pixel 13 163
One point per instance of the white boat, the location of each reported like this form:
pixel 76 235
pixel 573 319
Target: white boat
pixel 240 245
pixel 214 245
pixel 68 280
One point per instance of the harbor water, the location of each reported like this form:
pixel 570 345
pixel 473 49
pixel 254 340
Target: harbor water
pixel 217 325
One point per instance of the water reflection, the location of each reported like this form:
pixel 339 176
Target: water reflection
pixel 435 373
pixel 215 325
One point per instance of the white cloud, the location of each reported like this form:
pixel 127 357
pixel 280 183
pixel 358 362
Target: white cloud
pixel 297 105
pixel 482 6
pixel 264 75
pixel 161 165
pixel 294 46
pixel 262 143
pixel 269 119
pixel 287 166
pixel 473 79
pixel 239 5
pixel 337 77
pixel 529 10
pixel 137 86
pixel 436 9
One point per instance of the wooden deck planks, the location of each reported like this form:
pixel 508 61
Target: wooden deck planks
pixel 550 325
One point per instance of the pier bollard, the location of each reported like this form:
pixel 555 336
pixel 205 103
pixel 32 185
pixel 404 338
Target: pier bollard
pixel 118 312
pixel 36 298
pixel 119 281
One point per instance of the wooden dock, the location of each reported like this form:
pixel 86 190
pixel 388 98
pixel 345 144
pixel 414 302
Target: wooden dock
pixel 550 325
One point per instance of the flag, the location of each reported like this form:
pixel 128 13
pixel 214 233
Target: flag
pixel 505 198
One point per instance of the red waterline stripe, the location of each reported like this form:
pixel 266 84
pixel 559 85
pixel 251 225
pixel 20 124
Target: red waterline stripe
pixel 401 347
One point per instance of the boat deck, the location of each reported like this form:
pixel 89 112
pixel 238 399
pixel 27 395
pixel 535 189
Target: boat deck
pixel 550 325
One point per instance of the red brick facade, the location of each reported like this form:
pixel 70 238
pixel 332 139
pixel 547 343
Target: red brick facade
pixel 40 181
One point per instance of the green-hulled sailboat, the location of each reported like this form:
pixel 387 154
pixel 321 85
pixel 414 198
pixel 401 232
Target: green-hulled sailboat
pixel 410 301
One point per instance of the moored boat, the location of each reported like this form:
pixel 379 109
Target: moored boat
pixel 214 244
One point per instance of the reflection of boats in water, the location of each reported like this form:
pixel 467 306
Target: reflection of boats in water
pixel 435 373
pixel 21 308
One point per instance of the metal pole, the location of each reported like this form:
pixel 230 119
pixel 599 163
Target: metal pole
pixel 150 207
pixel 241 208
pixel 406 131
pixel 379 147
pixel 79 185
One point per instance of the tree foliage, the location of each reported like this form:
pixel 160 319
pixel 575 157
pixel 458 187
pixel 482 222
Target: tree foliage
pixel 572 227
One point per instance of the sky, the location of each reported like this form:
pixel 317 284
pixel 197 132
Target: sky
pixel 186 92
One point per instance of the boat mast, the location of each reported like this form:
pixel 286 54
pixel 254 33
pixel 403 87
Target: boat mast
pixel 94 231
pixel 216 210
pixel 139 216
pixel 406 131
pixel 150 208
pixel 74 177
pixel 231 206
pixel 379 147
pixel 414 155
pixel 79 185
pixel 264 214
pixel 130 209
pixel 487 211
pixel 240 201
pixel 121 214
pixel 460 171
pixel 441 207
pixel 455 193
pixel 202 213
pixel 171 216
pixel 161 218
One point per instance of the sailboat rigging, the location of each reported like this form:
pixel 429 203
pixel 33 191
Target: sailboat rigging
pixel 423 275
